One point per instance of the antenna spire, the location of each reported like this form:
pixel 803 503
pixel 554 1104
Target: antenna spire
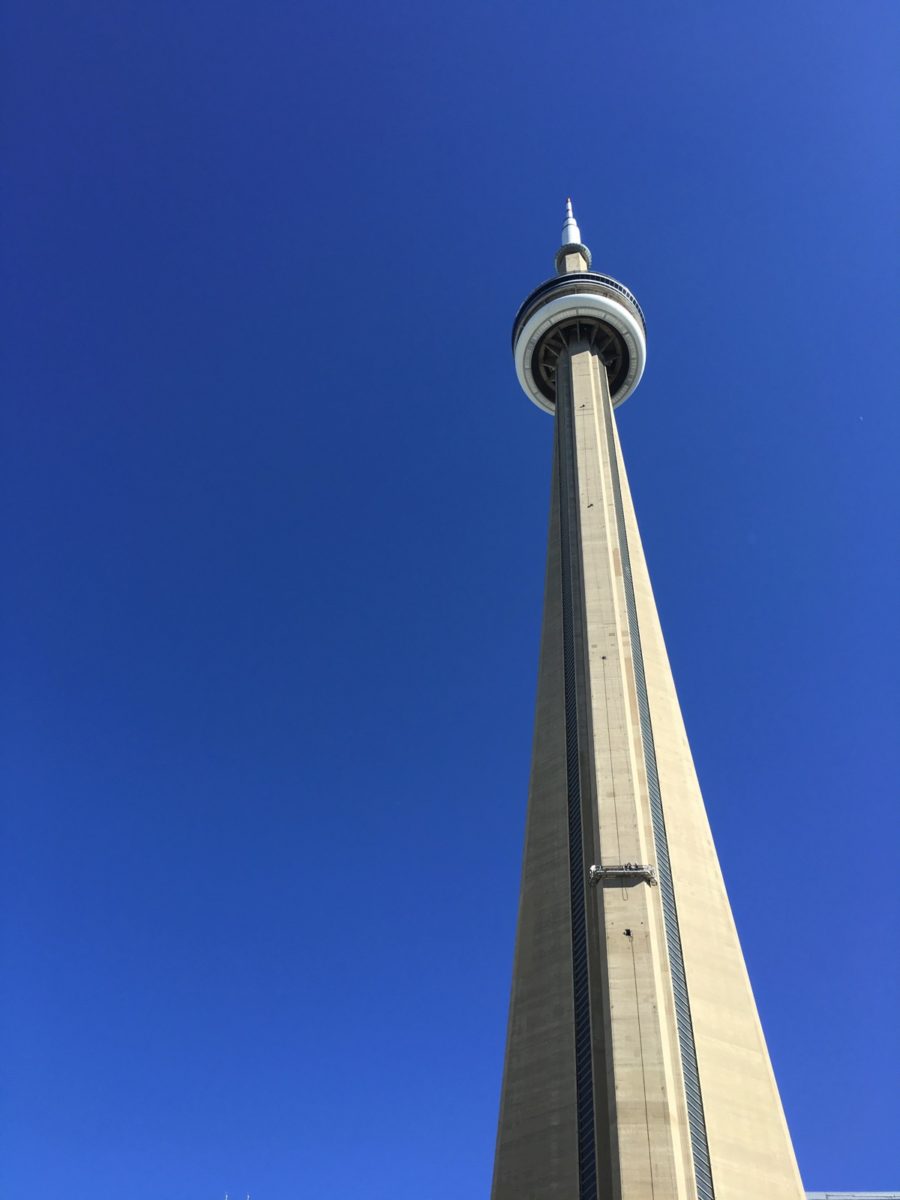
pixel 571 234
pixel 572 255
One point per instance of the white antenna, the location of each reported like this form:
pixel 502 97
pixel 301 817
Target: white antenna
pixel 571 234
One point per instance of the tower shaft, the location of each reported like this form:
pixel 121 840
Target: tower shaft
pixel 636 1067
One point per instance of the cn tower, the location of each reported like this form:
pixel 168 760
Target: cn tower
pixel 636 1067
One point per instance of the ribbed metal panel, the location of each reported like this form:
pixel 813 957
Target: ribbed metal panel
pixel 696 1118
pixel 587 1140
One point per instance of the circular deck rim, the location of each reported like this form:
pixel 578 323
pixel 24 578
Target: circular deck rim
pixel 583 295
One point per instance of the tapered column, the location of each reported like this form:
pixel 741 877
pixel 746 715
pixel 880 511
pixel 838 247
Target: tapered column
pixel 592 1102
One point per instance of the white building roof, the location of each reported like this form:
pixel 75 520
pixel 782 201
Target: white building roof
pixel 853 1196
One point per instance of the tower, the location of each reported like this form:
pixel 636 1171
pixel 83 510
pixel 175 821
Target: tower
pixel 636 1067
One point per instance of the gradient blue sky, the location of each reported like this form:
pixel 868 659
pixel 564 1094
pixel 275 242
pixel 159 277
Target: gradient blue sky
pixel 273 543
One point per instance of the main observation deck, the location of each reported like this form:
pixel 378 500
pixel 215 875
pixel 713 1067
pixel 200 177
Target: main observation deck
pixel 579 304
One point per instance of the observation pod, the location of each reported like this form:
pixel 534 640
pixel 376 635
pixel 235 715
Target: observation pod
pixel 584 306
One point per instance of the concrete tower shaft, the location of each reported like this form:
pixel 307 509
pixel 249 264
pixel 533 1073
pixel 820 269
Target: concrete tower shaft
pixel 635 1067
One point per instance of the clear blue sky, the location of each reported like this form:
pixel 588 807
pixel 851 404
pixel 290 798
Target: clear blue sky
pixel 273 543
